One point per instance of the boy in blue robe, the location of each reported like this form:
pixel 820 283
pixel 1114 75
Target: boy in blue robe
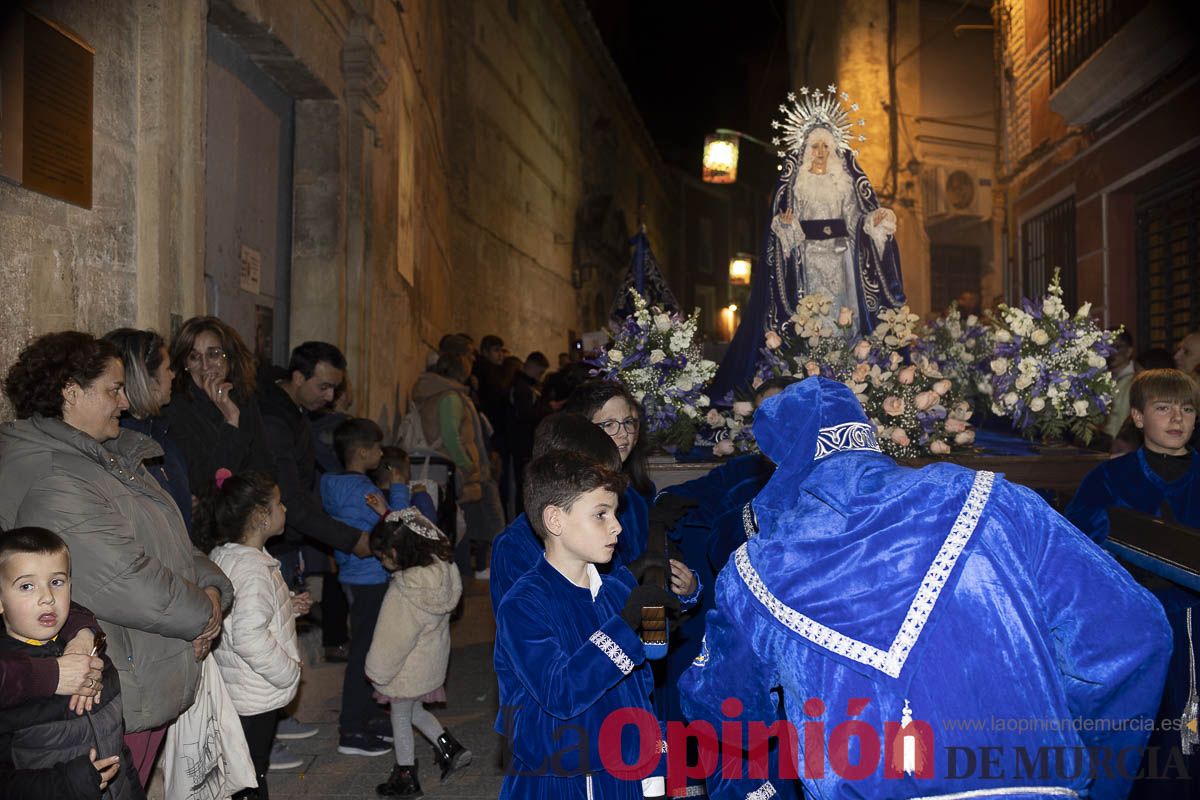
pixel 930 628
pixel 568 656
pixel 1161 478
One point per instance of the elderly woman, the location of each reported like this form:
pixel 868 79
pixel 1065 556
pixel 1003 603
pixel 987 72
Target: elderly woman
pixel 67 465
pixel 148 378
pixel 213 416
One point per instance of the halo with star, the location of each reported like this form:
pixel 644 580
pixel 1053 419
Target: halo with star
pixel 816 107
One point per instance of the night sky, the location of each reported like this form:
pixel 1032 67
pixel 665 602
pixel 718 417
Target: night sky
pixel 696 66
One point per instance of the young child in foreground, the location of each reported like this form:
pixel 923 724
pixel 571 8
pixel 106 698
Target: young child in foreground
pixel 411 645
pixel 567 647
pixel 47 750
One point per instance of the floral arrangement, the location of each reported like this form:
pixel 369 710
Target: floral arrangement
pixel 656 355
pixel 1048 373
pixel 916 408
pixel 959 347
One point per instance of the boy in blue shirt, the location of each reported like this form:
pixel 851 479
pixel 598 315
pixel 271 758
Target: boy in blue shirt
pixel 568 654
pixel 352 498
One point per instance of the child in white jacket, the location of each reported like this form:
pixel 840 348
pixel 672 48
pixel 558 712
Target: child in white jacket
pixel 258 654
pixel 410 650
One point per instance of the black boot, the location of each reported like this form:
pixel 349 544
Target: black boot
pixel 450 755
pixel 401 783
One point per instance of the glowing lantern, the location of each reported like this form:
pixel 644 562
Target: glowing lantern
pixel 739 270
pixel 720 158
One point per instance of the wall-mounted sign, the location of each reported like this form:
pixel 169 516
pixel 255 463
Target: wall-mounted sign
pixel 46 75
pixel 251 274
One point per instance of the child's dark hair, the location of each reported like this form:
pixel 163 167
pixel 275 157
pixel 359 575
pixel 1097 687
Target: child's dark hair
pixel 407 548
pixel 1170 385
pixel 588 398
pixel 354 433
pixel 225 511
pixel 31 541
pixel 576 433
pixel 558 478
pixel 393 456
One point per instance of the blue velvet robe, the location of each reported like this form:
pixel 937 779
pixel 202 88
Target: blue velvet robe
pixel 1129 482
pixel 961 593
pixel 564 662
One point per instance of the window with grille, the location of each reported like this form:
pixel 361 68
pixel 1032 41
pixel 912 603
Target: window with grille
pixel 1168 251
pixel 1078 28
pixel 953 270
pixel 1048 243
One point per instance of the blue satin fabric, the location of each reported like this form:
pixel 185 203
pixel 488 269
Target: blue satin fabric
pixel 557 687
pixel 1034 622
pixel 517 548
pixel 1129 482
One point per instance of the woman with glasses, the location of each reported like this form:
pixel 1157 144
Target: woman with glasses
pixel 611 407
pixel 213 414
pixel 148 378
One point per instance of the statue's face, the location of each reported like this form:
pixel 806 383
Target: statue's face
pixel 820 154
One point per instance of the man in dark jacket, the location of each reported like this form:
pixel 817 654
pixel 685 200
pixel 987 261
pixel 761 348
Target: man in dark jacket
pixel 315 371
pixel 524 413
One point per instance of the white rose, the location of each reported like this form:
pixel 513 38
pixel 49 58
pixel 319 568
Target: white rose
pixel 1095 360
pixel 1010 400
pixel 966 437
pixel 999 365
pixel 690 412
pixel 1024 381
pixel 684 383
pixel 1004 337
pixel 1037 404
pixel 1085 310
pixel 1081 408
pixel 714 418
pixel 743 408
pixel 723 448
pixel 1040 337
pixel 662 322
pixel 702 401
pixel 615 356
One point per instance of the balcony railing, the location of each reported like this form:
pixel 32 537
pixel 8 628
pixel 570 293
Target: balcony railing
pixel 1078 28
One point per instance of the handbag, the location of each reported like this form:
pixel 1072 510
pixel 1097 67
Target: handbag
pixel 205 756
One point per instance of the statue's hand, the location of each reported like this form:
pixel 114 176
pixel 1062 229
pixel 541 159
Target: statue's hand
pixel 786 217
pixel 885 219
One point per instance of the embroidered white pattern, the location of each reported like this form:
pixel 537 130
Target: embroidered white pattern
pixel 749 523
pixel 762 793
pixel 889 661
pixel 612 650
pixel 846 436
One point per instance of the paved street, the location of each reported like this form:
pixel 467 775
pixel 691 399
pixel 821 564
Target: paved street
pixel 469 714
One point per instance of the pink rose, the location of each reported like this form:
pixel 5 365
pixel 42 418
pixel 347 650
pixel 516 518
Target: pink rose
pixel 723 448
pixel 954 425
pixel 925 400
pixel 907 375
pixel 938 447
pixel 893 406
pixel 941 387
pixel 862 349
pixel 812 368
pixel 861 372
pixel 966 437
pixel 743 408
pixel 845 317
pixel 773 340
pixel 900 437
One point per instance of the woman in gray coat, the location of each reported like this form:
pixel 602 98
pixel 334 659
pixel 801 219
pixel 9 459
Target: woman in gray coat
pixel 67 465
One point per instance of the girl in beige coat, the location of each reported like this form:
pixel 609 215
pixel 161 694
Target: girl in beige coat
pixel 410 650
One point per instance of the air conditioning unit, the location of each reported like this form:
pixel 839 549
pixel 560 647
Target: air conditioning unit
pixel 956 191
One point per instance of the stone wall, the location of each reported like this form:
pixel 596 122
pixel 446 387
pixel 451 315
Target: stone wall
pixel 443 152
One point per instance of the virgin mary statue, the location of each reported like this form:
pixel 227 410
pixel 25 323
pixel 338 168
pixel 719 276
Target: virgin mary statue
pixel 828 232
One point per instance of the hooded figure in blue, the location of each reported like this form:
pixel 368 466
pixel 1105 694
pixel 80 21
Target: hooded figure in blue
pixel 877 595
